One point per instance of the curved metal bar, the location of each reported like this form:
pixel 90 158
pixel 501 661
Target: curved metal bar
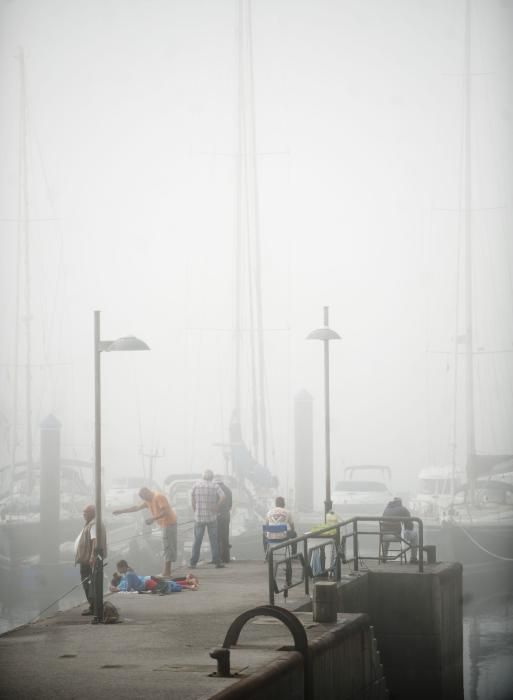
pixel 289 620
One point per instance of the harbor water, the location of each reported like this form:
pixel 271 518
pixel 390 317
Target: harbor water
pixel 488 648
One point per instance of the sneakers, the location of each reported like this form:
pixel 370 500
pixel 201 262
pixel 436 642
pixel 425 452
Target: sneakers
pixel 87 611
pixel 219 565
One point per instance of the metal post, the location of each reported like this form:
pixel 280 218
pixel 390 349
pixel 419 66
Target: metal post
pixel 326 334
pixel 327 503
pixel 355 544
pixel 307 567
pixel 338 568
pixel 270 564
pixel 421 545
pixel 98 566
pixel 126 343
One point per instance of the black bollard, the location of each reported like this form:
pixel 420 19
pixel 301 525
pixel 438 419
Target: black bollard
pixel 430 550
pixel 222 656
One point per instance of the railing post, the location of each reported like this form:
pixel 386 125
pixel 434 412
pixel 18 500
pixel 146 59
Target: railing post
pixel 306 565
pixel 355 544
pixel 338 568
pixel 270 569
pixel 421 545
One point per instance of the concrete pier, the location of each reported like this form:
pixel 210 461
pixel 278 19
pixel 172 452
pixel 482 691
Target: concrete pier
pixel 162 647
pixel 418 624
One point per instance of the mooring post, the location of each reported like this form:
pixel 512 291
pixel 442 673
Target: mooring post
pixel 325 601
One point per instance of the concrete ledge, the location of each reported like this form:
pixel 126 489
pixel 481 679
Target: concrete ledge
pixel 280 678
pixel 418 625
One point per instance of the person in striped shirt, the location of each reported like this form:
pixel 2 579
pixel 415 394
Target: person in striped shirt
pixel 206 498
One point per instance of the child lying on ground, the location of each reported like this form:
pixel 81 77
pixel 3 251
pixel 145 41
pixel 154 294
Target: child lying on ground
pixel 125 579
pixel 188 582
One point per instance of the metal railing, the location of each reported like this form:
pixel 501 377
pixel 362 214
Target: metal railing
pixel 338 542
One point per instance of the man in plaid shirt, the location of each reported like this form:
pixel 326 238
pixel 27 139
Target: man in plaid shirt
pixel 206 497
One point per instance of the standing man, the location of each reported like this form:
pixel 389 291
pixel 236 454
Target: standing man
pixel 392 530
pixel 206 499
pixel 165 516
pixel 223 521
pixel 85 550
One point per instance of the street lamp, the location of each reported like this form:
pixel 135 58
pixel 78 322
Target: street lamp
pixel 121 344
pixel 326 334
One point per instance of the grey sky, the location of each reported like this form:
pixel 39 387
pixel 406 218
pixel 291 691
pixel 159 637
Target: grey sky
pixel 132 149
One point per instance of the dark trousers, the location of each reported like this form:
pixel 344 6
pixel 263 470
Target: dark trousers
pixel 86 576
pixel 223 536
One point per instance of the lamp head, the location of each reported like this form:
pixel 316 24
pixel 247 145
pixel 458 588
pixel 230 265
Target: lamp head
pixel 130 342
pixel 323 334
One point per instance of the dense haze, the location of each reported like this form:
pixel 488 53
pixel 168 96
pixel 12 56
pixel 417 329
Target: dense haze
pixel 132 187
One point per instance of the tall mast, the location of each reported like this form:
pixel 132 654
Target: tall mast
pixel 469 343
pixel 247 243
pixel 237 326
pixel 23 273
pixel 258 254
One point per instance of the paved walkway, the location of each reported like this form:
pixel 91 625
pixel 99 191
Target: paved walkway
pixel 161 649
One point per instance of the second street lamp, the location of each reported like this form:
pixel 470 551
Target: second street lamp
pixel 326 334
pixel 121 344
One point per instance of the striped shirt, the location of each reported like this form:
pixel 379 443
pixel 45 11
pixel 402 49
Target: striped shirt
pixel 205 496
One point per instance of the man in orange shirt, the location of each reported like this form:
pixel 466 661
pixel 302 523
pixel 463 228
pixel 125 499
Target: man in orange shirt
pixel 165 516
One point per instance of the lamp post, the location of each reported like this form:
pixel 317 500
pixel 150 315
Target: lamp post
pixel 326 334
pixel 122 344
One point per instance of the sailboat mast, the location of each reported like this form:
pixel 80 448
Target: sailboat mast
pixel 237 326
pixel 23 273
pixel 247 244
pixel 28 305
pixel 469 343
pixel 258 254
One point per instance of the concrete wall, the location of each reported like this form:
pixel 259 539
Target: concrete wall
pixel 418 625
pixel 342 665
pixel 282 678
pixel 417 622
pixel 353 593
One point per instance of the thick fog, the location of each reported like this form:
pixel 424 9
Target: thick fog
pixel 130 182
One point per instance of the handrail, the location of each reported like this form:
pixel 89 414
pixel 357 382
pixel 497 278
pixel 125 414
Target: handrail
pixel 337 541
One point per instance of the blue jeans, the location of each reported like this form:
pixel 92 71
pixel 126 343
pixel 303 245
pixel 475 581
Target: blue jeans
pixel 134 582
pixel 199 531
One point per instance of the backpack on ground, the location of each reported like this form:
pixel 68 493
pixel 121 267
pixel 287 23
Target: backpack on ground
pixel 110 613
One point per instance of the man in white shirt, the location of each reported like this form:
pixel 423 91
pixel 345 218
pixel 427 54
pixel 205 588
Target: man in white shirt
pixel 279 515
pixel 85 550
